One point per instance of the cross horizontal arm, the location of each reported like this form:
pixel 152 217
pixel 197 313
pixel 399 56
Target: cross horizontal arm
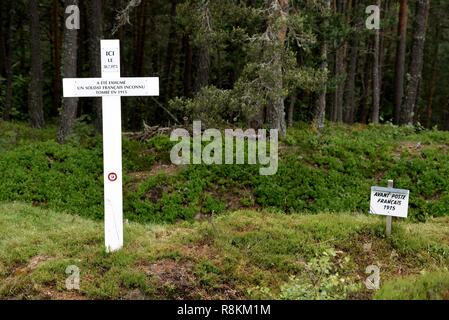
pixel 104 87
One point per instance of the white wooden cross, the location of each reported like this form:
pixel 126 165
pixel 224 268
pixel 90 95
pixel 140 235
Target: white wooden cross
pixel 111 87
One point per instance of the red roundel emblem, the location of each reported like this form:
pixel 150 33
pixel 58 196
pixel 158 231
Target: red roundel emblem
pixel 112 176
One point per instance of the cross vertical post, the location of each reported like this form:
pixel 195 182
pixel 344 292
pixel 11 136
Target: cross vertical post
pixel 112 150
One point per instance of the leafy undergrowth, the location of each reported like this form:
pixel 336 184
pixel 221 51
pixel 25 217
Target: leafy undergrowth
pixel 244 254
pixel 331 171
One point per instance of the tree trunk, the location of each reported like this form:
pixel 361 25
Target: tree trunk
pixel 203 59
pixel 340 69
pixel 139 40
pixel 84 105
pixel 3 36
pixel 187 79
pixel 95 36
pixel 416 63
pixel 56 42
pixel 320 103
pixel 434 78
pixel 400 60
pixel 276 33
pixel 291 109
pixel 35 98
pixel 350 83
pixel 7 54
pixel 203 63
pixel 349 98
pixel 69 68
pixel 384 50
pixel 169 61
pixel 366 86
pixel 376 77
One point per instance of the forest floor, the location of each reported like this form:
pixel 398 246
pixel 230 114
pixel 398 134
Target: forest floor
pixel 225 232
pixel 243 254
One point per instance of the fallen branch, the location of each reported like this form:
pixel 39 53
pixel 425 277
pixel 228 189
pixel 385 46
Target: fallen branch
pixel 148 132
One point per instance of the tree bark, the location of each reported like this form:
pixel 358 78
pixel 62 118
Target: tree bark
pixel 139 40
pixel 276 33
pixel 366 86
pixel 340 69
pixel 7 54
pixel 35 98
pixel 3 35
pixel 169 61
pixel 340 73
pixel 350 83
pixel 416 63
pixel 349 98
pixel 433 79
pixel 400 60
pixel 203 63
pixel 69 68
pixel 320 103
pixel 56 43
pixel 376 77
pixel 95 36
pixel 291 109
pixel 203 58
pixel 188 59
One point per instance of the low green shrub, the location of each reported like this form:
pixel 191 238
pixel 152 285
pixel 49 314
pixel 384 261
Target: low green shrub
pixel 330 171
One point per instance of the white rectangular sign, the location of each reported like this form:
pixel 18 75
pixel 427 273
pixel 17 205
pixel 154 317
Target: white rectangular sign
pixel 104 87
pixel 389 202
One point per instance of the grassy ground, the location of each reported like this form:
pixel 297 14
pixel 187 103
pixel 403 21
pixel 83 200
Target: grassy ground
pixel 203 232
pixel 243 254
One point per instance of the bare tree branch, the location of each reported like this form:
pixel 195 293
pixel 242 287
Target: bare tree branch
pixel 122 17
